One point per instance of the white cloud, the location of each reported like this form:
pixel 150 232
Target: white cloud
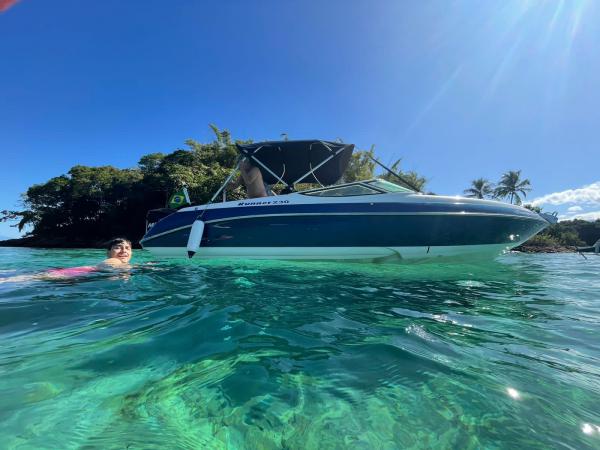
pixel 591 216
pixel 589 194
pixel 574 209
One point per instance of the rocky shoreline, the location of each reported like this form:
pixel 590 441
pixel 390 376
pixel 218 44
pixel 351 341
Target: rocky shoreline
pixel 545 249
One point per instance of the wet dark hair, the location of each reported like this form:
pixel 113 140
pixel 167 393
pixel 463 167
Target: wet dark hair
pixel 119 240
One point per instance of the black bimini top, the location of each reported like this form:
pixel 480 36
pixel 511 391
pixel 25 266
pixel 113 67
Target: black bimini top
pixel 291 162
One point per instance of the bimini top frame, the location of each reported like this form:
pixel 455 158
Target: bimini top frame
pixel 292 162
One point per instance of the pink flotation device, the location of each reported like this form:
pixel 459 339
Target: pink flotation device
pixel 71 271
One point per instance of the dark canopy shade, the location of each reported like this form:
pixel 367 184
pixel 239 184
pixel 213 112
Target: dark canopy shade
pixel 299 161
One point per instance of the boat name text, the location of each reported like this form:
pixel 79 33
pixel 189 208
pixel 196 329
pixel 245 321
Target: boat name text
pixel 265 202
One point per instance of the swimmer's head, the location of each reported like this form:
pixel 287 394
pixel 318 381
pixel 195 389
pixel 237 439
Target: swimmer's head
pixel 120 248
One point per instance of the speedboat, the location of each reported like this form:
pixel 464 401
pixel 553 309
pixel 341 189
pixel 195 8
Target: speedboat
pixel 374 220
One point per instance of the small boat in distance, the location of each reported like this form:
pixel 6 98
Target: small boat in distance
pixel 366 220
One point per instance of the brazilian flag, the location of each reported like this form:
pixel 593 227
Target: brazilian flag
pixel 179 199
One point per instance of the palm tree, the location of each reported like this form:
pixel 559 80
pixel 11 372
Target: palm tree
pixel 480 188
pixel 511 185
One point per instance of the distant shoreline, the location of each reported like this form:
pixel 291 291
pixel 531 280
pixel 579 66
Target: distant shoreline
pixel 544 249
pixel 33 242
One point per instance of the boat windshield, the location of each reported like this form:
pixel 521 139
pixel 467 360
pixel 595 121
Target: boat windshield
pixel 388 186
pixel 343 191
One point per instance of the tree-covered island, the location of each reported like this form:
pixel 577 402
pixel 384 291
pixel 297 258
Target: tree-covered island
pixel 89 205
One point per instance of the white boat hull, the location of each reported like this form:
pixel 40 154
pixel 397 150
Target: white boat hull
pixel 335 253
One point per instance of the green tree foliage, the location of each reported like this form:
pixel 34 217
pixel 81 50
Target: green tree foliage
pixel 543 240
pixel 511 185
pixel 536 209
pixel 91 204
pixel 569 233
pixel 150 163
pixel 480 188
pixel 360 166
pixel 575 232
pixel 413 179
pixel 82 203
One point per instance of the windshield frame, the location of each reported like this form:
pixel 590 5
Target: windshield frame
pixel 389 186
pixel 314 192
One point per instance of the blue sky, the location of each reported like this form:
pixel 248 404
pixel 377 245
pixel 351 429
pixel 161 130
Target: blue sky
pixel 458 89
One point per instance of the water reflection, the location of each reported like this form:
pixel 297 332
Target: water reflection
pixel 513 393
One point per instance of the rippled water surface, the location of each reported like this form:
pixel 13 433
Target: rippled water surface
pixel 271 355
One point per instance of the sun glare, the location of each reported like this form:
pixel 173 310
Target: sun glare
pixel 513 393
pixel 501 45
pixel 530 29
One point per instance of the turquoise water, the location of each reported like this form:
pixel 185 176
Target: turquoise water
pixel 271 355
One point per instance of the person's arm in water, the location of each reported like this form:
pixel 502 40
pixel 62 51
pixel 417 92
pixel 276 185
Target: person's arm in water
pixel 112 263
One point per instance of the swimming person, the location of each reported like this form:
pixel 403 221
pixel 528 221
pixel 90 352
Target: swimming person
pixel 118 254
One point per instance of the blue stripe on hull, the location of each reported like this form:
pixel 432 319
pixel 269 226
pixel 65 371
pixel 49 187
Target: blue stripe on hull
pixel 358 231
pixel 184 218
